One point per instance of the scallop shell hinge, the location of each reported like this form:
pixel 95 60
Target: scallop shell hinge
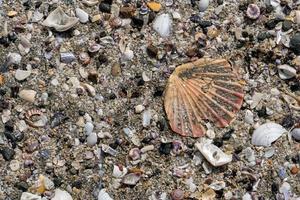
pixel 206 90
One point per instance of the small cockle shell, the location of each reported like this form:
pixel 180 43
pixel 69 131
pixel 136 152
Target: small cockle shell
pixel 212 153
pixel 267 133
pixel 253 11
pixel 103 195
pixel 131 179
pixel 58 20
pixel 36 118
pixel 201 91
pixel 286 72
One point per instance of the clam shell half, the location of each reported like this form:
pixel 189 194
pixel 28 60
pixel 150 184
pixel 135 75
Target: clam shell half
pixel 59 20
pixel 202 91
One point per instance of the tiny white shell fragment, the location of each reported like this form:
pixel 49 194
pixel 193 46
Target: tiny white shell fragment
pixel 118 173
pixel 90 2
pixel 88 127
pixel 61 195
pixel 92 139
pixel 147 118
pixel 21 75
pixel 29 196
pixel 203 5
pixel 131 179
pixel 267 133
pixel 103 195
pixel 286 71
pixel 147 148
pixel 162 25
pixel 296 133
pixel 213 154
pixel 217 185
pixel 107 149
pixel 82 15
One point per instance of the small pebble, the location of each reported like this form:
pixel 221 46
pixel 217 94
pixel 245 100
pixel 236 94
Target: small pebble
pixel 139 109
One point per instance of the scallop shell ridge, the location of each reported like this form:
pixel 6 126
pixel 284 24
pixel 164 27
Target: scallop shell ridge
pixel 205 90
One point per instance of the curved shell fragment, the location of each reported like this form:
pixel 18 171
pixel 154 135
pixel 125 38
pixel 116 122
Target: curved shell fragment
pixel 59 20
pixel 267 133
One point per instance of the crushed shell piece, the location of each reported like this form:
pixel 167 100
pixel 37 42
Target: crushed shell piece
pixel 206 90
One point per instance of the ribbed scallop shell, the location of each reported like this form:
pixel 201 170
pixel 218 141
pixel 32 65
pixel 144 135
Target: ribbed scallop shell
pixel 201 91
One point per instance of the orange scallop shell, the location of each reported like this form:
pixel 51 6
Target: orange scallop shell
pixel 206 90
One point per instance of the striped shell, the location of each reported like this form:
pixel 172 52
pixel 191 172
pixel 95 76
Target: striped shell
pixel 203 91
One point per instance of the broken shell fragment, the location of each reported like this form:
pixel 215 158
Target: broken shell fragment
pixel 286 72
pixel 119 171
pixel 203 90
pixel 60 21
pixel 135 154
pixel 103 195
pixel 267 133
pixel 162 25
pixel 36 118
pixel 213 154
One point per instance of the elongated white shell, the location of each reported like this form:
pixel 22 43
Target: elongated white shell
pixel 58 20
pixel 103 195
pixel 267 133
pixel 213 154
pixel 162 25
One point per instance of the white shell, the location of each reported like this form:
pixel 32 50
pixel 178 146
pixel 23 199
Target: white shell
pixel 117 173
pixel 203 5
pixel 82 15
pixel 13 59
pixel 162 25
pixel 131 179
pixel 29 196
pixel 27 95
pixel 103 195
pixel 267 133
pixel 90 2
pixel 296 133
pixel 58 20
pixel 21 75
pixel 61 195
pixel 213 154
pixel 286 71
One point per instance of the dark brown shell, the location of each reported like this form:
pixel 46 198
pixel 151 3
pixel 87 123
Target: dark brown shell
pixel 201 91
